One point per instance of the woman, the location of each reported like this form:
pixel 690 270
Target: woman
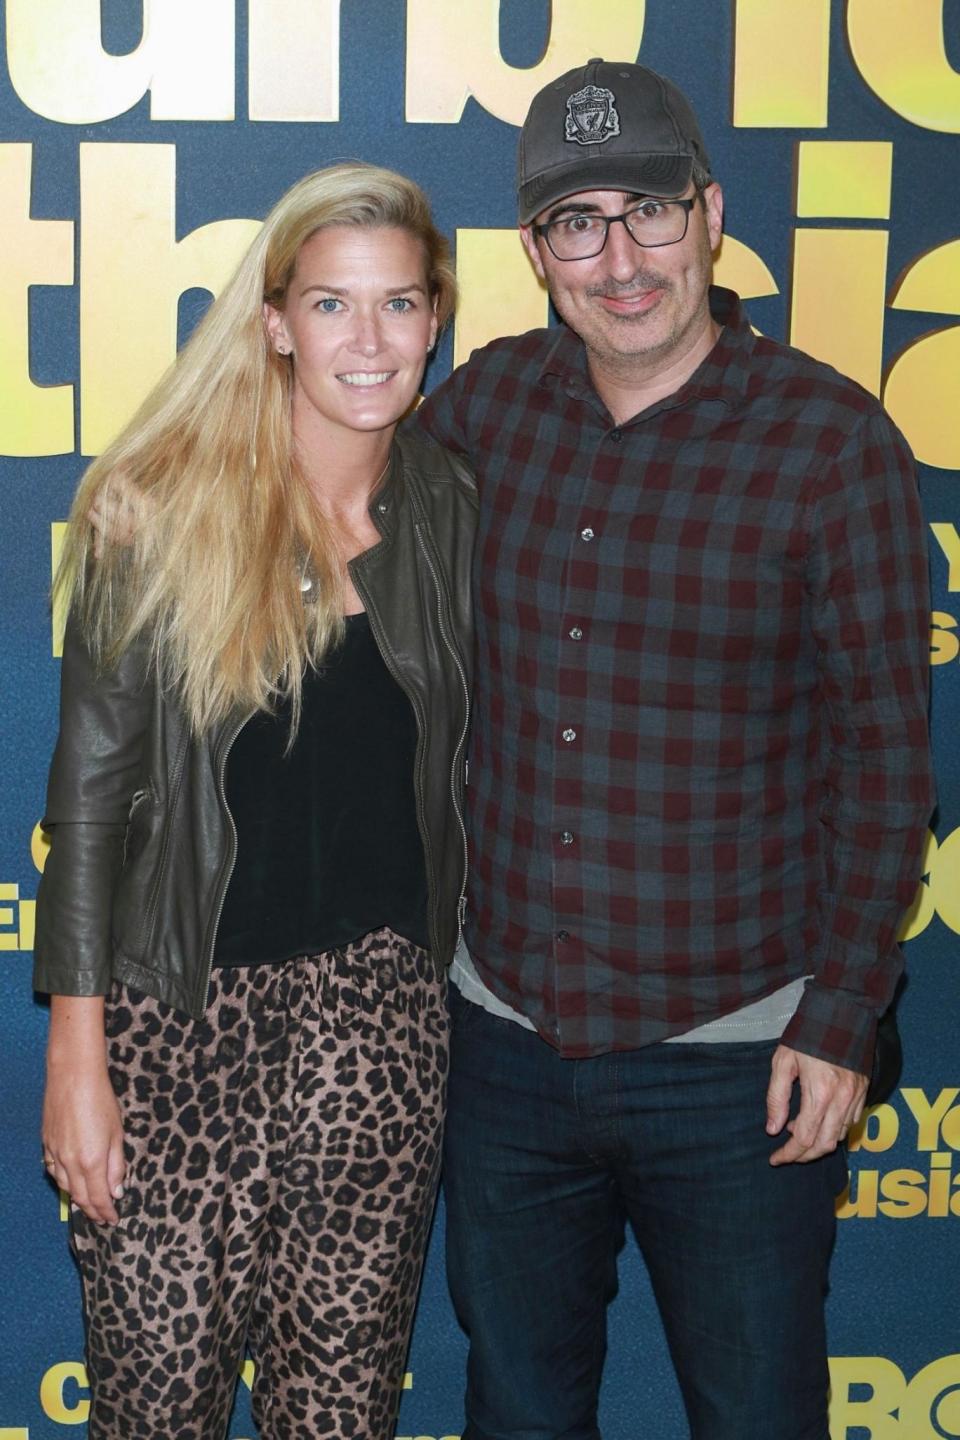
pixel 257 843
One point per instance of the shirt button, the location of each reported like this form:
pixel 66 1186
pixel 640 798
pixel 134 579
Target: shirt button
pixel 563 934
pixel 569 735
pixel 586 534
pixel 616 435
pixel 576 633
pixel 566 837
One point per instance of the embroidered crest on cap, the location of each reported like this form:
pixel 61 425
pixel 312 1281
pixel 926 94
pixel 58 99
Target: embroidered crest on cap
pixel 591 116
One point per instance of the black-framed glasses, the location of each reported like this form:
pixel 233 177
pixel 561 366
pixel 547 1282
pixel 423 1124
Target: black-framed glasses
pixel 650 223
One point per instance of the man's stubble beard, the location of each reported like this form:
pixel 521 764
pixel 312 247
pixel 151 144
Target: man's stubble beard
pixel 621 362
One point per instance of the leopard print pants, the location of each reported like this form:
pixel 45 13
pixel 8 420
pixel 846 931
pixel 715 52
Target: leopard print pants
pixel 283 1155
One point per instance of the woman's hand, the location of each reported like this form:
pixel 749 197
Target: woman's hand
pixel 82 1130
pixel 116 514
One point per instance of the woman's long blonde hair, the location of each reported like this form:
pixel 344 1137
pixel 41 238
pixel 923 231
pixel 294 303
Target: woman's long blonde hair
pixel 227 528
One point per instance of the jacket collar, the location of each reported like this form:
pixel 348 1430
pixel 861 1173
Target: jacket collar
pixel 384 500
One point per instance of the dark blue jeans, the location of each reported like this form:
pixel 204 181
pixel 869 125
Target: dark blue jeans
pixel 547 1158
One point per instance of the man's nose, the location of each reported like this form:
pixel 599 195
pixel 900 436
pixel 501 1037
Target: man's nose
pixel 622 252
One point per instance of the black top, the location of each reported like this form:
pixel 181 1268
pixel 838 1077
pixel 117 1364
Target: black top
pixel 328 847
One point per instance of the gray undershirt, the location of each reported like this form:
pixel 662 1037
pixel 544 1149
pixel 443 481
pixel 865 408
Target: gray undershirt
pixel 764 1019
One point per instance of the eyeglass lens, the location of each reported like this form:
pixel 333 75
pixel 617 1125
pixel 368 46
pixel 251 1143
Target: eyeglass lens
pixel 576 237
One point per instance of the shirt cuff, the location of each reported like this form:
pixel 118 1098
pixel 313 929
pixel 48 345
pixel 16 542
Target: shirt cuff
pixel 833 1026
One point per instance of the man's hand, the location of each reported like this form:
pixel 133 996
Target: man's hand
pixel 831 1100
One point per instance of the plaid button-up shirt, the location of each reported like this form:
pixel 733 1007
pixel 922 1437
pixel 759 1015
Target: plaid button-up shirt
pixel 699 761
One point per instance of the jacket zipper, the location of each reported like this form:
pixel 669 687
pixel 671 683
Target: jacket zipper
pixel 232 858
pixel 136 800
pixel 448 641
pixel 173 797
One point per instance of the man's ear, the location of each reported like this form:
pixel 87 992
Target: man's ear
pixel 713 206
pixel 532 247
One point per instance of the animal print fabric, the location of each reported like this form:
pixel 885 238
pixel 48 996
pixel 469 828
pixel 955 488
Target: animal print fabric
pixel 283 1156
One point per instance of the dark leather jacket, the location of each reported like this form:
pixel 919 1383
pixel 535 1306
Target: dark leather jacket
pixel 143 843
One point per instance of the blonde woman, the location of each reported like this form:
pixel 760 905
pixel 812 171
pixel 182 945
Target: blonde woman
pixel 257 852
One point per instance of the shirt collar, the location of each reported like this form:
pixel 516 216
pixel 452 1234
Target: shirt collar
pixel 565 360
pixel 723 375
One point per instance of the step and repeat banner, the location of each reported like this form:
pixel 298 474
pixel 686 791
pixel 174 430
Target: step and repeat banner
pixel 140 143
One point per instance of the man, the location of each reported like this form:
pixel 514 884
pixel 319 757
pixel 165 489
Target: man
pixel 698 788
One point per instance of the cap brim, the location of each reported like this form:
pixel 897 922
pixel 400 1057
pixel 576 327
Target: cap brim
pixel 638 175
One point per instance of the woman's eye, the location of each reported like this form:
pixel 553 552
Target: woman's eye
pixel 328 305
pixel 400 304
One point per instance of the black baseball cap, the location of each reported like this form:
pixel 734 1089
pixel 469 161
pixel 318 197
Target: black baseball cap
pixel 608 125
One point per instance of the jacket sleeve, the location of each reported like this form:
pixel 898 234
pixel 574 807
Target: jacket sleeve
pixel 869 590
pixel 93 777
